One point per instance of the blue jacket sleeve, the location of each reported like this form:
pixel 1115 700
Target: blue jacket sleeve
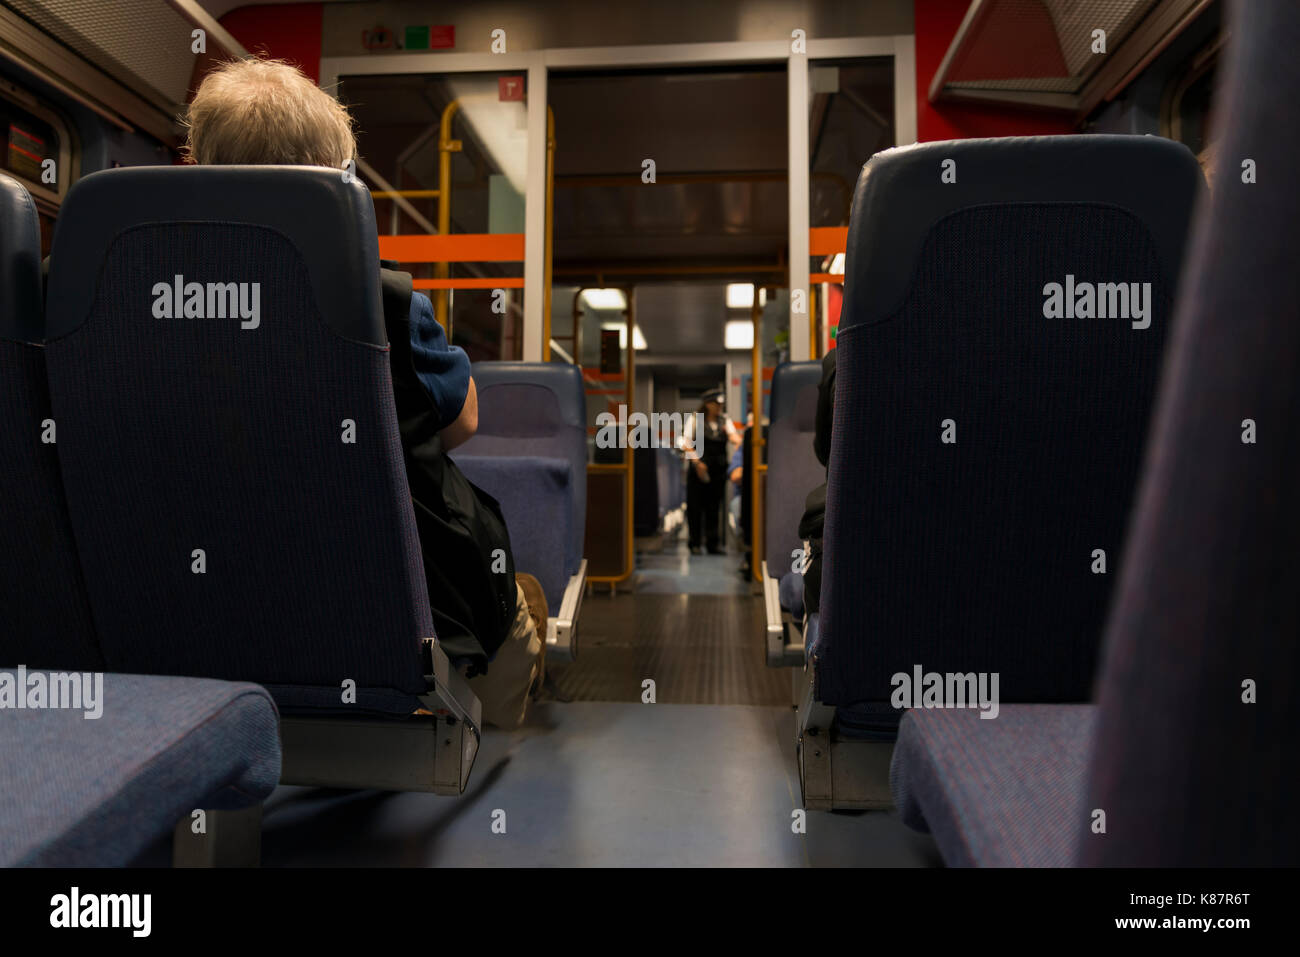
pixel 737 460
pixel 442 369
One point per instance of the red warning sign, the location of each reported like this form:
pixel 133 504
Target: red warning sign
pixel 510 88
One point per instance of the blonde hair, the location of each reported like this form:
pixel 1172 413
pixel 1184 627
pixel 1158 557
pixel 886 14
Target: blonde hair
pixel 266 112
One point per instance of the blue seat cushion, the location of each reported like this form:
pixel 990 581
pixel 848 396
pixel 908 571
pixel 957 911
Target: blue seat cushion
pixel 1005 792
pixel 867 721
pixel 791 594
pixel 96 793
pixel 536 496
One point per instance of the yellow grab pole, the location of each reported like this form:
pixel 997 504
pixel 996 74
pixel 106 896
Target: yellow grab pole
pixel 629 317
pixel 446 146
pixel 812 321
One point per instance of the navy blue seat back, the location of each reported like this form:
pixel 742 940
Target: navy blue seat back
pixel 1187 771
pixel 792 467
pixel 977 555
pixel 271 445
pixel 45 619
pixel 535 409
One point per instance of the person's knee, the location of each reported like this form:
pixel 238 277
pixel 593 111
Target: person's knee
pixel 505 690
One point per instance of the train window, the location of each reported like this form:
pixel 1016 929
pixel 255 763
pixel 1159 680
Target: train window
pixel 30 144
pixel 1185 110
pixel 38 151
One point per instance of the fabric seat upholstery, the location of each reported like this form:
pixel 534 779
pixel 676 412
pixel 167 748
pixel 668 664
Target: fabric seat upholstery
pixel 792 467
pixel 44 615
pixel 1001 792
pixel 265 447
pixel 1192 758
pixel 533 409
pixel 97 793
pixel 965 555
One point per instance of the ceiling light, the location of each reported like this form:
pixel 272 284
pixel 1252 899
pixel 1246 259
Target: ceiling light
pixel 604 299
pixel 740 295
pixel 739 333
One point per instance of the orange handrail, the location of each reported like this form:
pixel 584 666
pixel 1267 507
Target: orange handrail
pixel 827 240
pixel 456 248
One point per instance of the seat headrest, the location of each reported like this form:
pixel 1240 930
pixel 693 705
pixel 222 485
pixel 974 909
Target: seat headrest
pixel 518 409
pixel 521 386
pixel 20 264
pixel 789 382
pixel 907 189
pixel 330 222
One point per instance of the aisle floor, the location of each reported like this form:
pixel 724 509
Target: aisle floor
pixel 600 784
pixel 704 776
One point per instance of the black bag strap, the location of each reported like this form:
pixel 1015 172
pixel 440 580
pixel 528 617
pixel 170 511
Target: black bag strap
pixel 397 288
pixel 417 417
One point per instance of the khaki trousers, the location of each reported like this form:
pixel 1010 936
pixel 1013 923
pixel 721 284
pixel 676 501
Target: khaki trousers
pixel 519 663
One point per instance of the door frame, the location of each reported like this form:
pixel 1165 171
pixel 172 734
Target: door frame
pixel 538 65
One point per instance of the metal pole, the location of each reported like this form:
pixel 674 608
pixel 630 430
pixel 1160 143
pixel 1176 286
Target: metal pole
pixel 756 437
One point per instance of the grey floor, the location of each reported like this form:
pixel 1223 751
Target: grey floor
pixel 705 776
pixel 674 571
pixel 599 784
pixel 697 648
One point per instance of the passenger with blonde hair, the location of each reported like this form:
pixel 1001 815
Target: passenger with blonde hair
pixel 491 623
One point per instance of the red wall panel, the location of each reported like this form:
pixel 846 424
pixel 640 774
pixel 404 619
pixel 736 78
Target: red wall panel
pixel 285 31
pixel 936 23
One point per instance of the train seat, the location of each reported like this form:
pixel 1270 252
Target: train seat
pixel 792 472
pixel 44 615
pixel 99 792
pixel 646 496
pixel 987 440
pixel 530 454
pixel 78 791
pixel 672 489
pixel 1192 760
pixel 1001 793
pixel 234 473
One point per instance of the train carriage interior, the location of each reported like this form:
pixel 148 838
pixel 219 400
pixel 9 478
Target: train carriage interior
pixel 682 435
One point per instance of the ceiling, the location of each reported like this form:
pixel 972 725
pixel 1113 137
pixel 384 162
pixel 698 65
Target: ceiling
pixel 718 143
pixel 682 317
pixel 156 63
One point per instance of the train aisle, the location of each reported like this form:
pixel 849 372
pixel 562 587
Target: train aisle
pixel 599 784
pixel 704 776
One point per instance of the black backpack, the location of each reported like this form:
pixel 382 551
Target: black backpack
pixel 462 531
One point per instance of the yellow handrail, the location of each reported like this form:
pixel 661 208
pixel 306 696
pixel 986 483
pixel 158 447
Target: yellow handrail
pixel 446 146
pixel 629 529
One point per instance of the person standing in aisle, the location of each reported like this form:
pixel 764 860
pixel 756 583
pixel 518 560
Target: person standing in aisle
pixel 707 473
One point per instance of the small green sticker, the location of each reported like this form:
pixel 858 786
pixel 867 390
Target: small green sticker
pixel 417 38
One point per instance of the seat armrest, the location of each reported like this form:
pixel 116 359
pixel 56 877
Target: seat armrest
pixel 562 628
pixel 449 692
pixel 774 636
